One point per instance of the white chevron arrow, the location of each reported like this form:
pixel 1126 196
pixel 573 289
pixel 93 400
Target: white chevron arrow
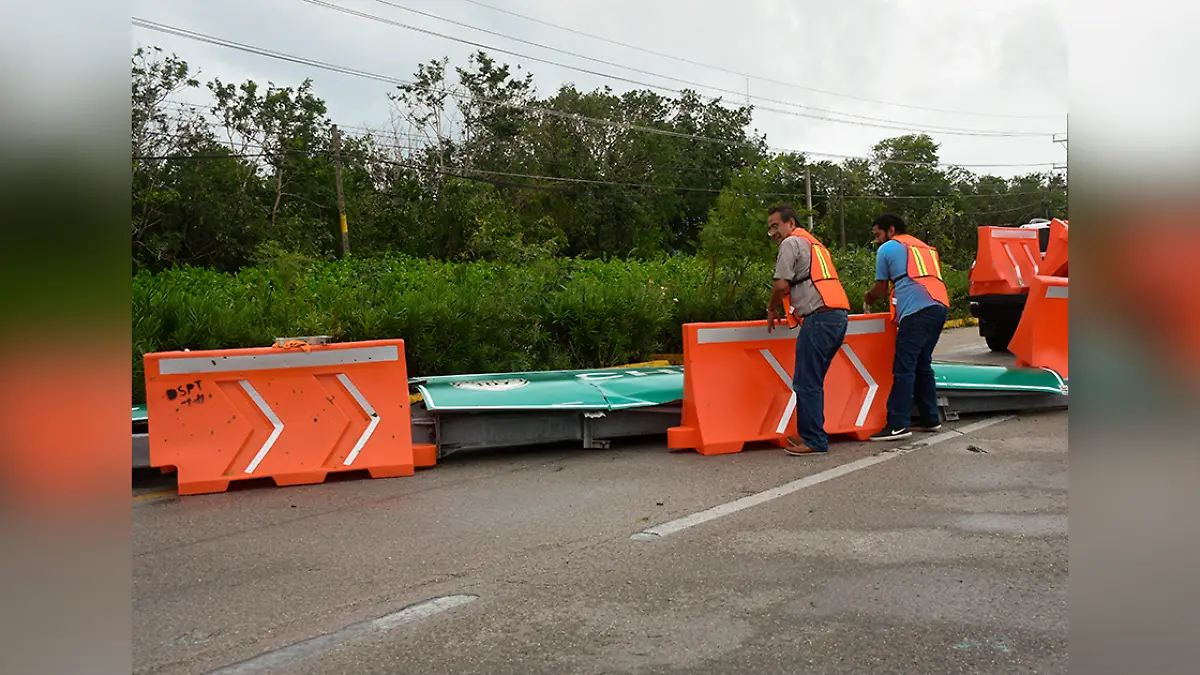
pixel 787 381
pixel 872 386
pixel 362 403
pixel 274 419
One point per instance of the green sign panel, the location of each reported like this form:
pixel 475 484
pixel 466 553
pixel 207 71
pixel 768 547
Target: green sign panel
pixel 607 389
pixel 962 376
pixel 616 388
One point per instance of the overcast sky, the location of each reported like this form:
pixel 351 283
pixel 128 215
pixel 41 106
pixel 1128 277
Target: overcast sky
pixel 956 64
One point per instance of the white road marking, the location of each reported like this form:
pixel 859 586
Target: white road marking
pixel 721 510
pixel 968 349
pixel 313 646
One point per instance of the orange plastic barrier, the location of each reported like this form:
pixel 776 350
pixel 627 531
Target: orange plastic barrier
pixel 294 415
pixel 1042 337
pixel 1055 262
pixel 737 384
pixel 1006 260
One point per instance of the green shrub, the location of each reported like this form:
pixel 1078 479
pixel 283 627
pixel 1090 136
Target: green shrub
pixel 464 317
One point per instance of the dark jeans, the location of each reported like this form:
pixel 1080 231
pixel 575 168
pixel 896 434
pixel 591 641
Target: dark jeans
pixel 912 369
pixel 820 337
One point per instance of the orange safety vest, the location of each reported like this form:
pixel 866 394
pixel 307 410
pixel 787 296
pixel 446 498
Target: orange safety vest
pixel 924 267
pixel 822 274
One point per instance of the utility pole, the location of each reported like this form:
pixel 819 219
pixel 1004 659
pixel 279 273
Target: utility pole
pixel 341 201
pixel 842 202
pixel 1065 167
pixel 808 196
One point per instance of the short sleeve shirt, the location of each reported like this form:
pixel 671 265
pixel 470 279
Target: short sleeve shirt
pixel 891 263
pixel 793 262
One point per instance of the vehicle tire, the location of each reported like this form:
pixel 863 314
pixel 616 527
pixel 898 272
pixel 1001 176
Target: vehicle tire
pixel 999 338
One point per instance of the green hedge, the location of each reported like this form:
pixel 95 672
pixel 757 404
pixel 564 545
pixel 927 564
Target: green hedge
pixel 463 317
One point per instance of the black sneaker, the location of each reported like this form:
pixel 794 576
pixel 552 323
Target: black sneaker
pixel 892 434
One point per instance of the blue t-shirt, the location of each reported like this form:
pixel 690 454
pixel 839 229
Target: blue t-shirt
pixel 891 261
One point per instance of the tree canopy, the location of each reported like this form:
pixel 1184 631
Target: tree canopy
pixel 478 166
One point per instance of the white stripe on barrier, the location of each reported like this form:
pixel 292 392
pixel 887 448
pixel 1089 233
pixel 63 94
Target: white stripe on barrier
pixel 188 365
pixel 271 416
pixel 1014 234
pixel 1029 254
pixel 863 411
pixel 1056 293
pixel 787 381
pixel 1016 267
pixel 362 403
pixel 872 385
pixel 709 336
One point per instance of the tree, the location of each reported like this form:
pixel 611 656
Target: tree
pixel 478 166
pixel 735 238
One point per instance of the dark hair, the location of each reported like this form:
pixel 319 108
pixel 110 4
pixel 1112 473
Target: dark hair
pixel 786 213
pixel 889 220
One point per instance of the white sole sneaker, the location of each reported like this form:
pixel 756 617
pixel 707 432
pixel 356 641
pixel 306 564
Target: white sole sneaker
pixel 894 436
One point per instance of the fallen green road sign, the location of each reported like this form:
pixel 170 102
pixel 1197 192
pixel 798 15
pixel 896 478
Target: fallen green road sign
pixel 970 377
pixel 606 389
pixel 622 388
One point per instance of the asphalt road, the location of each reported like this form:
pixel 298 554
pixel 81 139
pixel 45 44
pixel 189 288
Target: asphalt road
pixel 949 557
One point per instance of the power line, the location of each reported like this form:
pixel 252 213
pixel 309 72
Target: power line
pixel 562 179
pixel 374 135
pixel 889 123
pixel 230 44
pixel 748 75
pixel 218 122
pixel 668 187
pixel 379 138
pixel 228 155
pixel 895 127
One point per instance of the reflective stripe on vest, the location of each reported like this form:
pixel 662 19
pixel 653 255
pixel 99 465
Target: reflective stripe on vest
pixel 823 275
pixel 923 267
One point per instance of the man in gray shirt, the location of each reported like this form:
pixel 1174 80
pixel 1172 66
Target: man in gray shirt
pixel 804 272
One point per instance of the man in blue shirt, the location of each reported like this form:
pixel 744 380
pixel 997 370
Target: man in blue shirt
pixel 921 307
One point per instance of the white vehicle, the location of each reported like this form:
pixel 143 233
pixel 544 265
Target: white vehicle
pixel 1042 225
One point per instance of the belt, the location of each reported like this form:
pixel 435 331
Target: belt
pixel 822 311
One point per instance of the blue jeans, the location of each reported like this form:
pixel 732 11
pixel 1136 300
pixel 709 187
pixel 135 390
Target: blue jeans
pixel 912 368
pixel 820 337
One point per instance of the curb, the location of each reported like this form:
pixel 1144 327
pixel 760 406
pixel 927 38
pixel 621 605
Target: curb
pixel 658 362
pixel 962 323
